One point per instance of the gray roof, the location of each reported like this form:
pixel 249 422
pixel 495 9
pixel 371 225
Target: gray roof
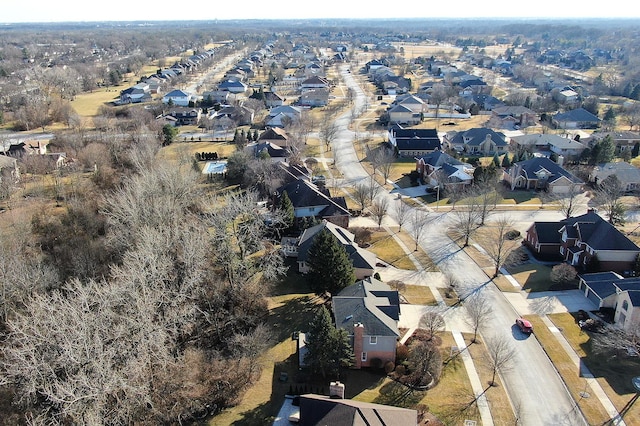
pixel 625 172
pixel 322 410
pixel 360 258
pixel 377 310
pixel 529 168
pixel 579 115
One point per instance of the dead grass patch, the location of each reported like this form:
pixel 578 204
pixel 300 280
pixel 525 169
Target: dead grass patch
pixel 419 295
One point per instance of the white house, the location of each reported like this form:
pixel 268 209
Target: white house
pixel 177 97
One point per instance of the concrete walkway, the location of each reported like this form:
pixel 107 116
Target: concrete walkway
pixel 596 389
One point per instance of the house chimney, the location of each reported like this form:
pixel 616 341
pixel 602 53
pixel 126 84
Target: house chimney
pixel 336 390
pixel 358 333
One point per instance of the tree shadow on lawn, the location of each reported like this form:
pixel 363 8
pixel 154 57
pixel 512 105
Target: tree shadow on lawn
pixel 294 315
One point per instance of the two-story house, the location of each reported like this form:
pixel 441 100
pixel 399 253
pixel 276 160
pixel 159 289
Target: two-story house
pixel 369 311
pixel 364 261
pixel 414 142
pixel 310 200
pixel 586 242
pixel 611 290
pixel 477 141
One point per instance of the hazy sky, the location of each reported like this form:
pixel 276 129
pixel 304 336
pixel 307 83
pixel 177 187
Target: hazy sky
pixel 131 10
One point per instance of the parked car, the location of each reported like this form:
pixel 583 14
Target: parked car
pixel 524 325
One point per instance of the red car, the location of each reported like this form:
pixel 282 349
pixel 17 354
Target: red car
pixel 524 325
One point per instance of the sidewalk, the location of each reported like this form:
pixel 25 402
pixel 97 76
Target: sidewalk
pixel 596 389
pixel 522 307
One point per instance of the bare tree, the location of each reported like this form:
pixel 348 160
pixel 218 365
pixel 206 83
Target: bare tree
pixel 365 193
pixel 496 243
pixel 501 355
pixel 379 209
pixel 328 133
pixel 382 159
pixel 418 223
pixel 569 203
pixel 401 213
pixel 433 322
pixel 478 311
pixel 608 196
pixel 425 363
pixel 467 220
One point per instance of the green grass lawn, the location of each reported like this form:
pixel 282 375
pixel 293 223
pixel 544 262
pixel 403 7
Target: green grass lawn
pixel 613 371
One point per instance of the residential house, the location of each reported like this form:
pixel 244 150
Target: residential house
pixel 314 98
pixel 320 410
pixel 414 142
pixel 272 99
pixel 611 290
pixel 627 174
pixel 177 97
pixel 624 141
pixel 232 86
pixel 369 311
pixel 216 96
pixel 291 111
pixel 364 261
pixel 185 116
pixel 240 115
pixel 477 141
pixel 485 102
pixel 568 96
pixel 541 173
pixel 310 200
pixel 587 242
pixel 374 64
pixel 512 117
pixel 315 82
pixel 545 144
pixel 439 168
pixel 400 114
pixel 576 119
pixel 269 150
pixel 135 94
pixel 275 135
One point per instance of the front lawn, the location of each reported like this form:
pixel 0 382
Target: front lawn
pixel 612 371
pixel 388 250
pixel 592 409
pixel 535 277
pixel 419 295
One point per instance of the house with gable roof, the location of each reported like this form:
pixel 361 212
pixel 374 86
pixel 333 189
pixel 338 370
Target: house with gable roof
pixel 414 142
pixel 438 165
pixel 316 410
pixel 364 261
pixel 477 141
pixel 541 173
pixel 177 97
pixel 627 174
pixel 369 311
pixel 310 200
pixel 581 240
pixel 611 290
pixel 623 140
pixel 578 118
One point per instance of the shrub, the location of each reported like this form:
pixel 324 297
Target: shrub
pixel 512 235
pixel 389 366
pixel 376 363
pixel 401 370
pixel 402 353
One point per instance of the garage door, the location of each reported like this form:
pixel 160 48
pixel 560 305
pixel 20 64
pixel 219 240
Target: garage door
pixel 593 297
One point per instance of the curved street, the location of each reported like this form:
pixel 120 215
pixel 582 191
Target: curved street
pixel 537 392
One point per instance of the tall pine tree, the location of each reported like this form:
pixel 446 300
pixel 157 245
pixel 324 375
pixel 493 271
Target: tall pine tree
pixel 328 347
pixel 286 206
pixel 330 269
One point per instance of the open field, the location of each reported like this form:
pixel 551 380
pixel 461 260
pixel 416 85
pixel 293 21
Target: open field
pixel 87 104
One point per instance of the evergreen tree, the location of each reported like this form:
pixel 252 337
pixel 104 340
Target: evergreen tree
pixel 496 159
pixel 506 163
pixel 328 347
pixel 330 269
pixel 286 206
pixel 610 115
pixel 603 151
pixel 635 93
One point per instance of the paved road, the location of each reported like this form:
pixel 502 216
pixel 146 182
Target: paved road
pixel 532 383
